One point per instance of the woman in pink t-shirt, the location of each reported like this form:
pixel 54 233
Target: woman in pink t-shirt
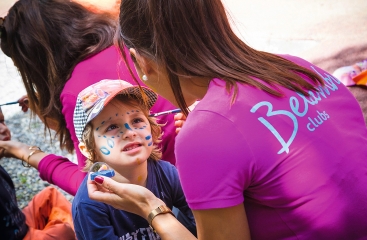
pixel 60 48
pixel 276 147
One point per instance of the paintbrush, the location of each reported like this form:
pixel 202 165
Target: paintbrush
pixel 165 112
pixel 9 103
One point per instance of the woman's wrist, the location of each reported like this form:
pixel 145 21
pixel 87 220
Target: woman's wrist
pixel 153 204
pixel 162 209
pixel 34 150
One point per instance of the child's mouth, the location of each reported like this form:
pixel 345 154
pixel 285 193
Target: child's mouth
pixel 131 147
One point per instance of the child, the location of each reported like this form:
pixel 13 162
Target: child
pixel 112 124
pixel 47 216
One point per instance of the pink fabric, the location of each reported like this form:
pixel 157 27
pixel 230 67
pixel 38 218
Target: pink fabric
pixel 299 165
pixel 107 64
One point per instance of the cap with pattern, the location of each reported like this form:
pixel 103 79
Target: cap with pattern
pixel 92 99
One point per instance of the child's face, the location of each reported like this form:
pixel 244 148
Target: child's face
pixel 122 135
pixel 4 130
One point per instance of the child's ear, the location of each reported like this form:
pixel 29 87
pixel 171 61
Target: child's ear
pixel 83 149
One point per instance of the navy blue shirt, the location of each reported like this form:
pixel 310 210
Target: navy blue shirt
pixel 12 219
pixel 96 220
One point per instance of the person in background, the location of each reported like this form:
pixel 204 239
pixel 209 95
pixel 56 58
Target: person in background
pixel 276 147
pixel 60 48
pixel 47 216
pixel 113 126
pixel 355 78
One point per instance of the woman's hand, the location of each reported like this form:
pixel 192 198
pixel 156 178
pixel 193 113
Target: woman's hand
pixel 128 197
pixel 14 149
pixel 23 103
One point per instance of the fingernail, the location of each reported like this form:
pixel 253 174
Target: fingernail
pixel 99 180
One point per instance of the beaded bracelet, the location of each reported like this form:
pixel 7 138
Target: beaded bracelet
pixel 35 150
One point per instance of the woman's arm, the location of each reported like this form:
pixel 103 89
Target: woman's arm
pixel 222 223
pixel 211 224
pixel 27 154
pixel 53 169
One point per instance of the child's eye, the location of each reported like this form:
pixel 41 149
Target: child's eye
pixel 137 120
pixel 111 127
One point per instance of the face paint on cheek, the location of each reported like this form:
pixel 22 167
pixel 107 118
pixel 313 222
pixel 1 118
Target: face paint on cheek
pixel 127 126
pixel 104 151
pixel 150 144
pixel 138 161
pixel 110 143
pixel 140 178
pixel 148 137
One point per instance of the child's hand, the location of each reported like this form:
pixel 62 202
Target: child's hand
pixel 180 118
pixel 23 103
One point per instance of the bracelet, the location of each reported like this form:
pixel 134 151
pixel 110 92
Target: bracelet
pixel 35 150
pixel 159 210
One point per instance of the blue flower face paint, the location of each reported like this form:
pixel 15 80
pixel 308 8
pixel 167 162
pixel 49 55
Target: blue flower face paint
pixel 105 151
pixel 110 143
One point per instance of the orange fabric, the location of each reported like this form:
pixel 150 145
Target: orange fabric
pixel 48 216
pixel 361 78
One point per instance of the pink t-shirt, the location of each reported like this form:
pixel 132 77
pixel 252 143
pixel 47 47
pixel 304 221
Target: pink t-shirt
pixel 107 64
pixel 298 164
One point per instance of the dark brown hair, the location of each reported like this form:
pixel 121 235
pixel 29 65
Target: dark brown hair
pixel 46 39
pixel 130 100
pixel 194 38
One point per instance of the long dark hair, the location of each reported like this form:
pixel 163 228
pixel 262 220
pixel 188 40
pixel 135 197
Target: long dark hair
pixel 46 39
pixel 194 38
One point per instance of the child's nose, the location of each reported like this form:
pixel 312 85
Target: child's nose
pixel 129 133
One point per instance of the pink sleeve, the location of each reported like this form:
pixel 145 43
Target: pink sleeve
pixel 214 162
pixel 61 172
